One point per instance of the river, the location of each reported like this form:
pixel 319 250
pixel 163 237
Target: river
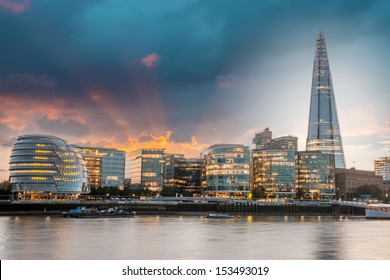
pixel 179 237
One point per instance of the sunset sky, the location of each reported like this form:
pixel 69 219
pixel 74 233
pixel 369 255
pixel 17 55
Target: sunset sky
pixel 188 74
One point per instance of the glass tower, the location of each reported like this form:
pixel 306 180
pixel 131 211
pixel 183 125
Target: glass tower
pixel 324 131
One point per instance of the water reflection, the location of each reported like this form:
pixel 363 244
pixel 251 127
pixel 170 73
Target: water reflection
pixel 194 237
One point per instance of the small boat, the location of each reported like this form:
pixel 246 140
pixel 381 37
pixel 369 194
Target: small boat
pixel 82 212
pixel 378 211
pixel 218 215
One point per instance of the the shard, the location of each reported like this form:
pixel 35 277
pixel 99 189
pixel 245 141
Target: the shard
pixel 324 130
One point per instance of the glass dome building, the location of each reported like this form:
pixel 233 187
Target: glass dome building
pixel 44 166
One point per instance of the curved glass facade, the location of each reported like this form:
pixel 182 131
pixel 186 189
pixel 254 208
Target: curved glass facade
pixel 42 163
pixel 226 169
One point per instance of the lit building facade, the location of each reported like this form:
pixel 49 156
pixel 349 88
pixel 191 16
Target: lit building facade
pixel 324 130
pixel 316 174
pixel 275 171
pixel 43 166
pixel 225 170
pixel 348 180
pixel 145 167
pixel 182 172
pixel 106 166
pixel 382 167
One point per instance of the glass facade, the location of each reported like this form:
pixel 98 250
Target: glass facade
pixel 145 167
pixel 275 171
pixel 324 131
pixel 225 170
pixel 47 164
pixel 182 172
pixel 316 174
pixel 106 166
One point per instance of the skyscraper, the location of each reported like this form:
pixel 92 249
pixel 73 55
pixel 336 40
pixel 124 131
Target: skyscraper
pixel 324 130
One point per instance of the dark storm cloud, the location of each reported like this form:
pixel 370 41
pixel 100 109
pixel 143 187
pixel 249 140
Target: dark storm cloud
pixel 63 127
pixel 168 51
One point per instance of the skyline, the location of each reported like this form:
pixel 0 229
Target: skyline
pixel 185 76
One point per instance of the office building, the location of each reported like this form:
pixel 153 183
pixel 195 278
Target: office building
pixel 145 167
pixel 324 130
pixel 274 170
pixel 382 167
pixel 264 141
pixel 348 180
pixel 182 172
pixel 46 167
pixel 106 166
pixel 316 175
pixel 225 170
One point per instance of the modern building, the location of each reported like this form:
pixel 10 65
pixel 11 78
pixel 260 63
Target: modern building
pixel 45 167
pixel 348 180
pixel 145 167
pixel 274 170
pixel 106 166
pixel 225 170
pixel 264 141
pixel 324 130
pixel 182 172
pixel 316 175
pixel 382 167
pixel 285 143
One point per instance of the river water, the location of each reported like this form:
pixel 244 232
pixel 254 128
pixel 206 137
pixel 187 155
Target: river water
pixel 167 237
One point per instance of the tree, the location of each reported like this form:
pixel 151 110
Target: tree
pixel 5 190
pixel 373 190
pixel 300 194
pixel 258 192
pixel 170 191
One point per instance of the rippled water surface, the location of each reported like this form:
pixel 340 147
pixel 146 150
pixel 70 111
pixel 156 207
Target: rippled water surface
pixel 194 237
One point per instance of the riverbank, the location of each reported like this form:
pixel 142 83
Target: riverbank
pixel 169 207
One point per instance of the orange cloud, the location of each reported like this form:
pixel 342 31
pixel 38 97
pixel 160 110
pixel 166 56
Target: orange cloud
pixel 13 6
pixel 189 149
pixel 151 60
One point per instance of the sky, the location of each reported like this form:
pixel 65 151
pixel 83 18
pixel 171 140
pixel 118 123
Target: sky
pixel 184 75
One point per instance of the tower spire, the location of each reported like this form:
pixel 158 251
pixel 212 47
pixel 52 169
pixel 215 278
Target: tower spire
pixel 324 130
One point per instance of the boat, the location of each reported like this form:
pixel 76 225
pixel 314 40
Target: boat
pixel 219 215
pixel 83 212
pixel 378 211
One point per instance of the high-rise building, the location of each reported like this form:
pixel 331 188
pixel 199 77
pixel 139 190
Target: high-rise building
pixel 324 131
pixel 106 166
pixel 382 167
pixel 274 170
pixel 43 166
pixel 225 170
pixel 264 141
pixel 182 172
pixel 316 174
pixel 145 167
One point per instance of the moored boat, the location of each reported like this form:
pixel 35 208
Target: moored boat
pixel 378 211
pixel 82 212
pixel 219 215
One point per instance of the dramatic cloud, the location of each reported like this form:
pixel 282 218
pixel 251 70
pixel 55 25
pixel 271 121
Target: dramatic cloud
pixel 63 127
pixel 15 6
pixel 25 80
pixel 151 60
pixel 187 74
